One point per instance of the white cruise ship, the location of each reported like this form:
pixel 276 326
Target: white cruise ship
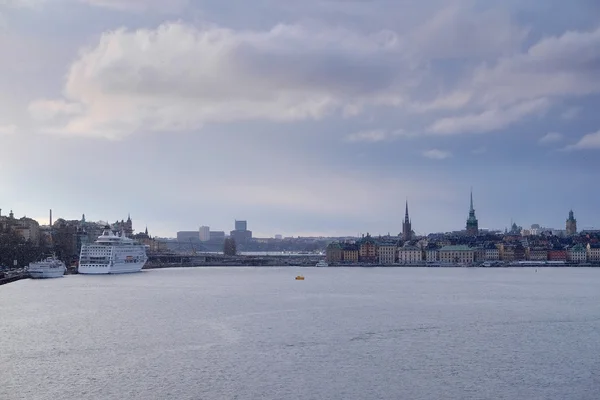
pixel 51 267
pixel 112 254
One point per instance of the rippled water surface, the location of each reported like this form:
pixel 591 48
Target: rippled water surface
pixel 256 333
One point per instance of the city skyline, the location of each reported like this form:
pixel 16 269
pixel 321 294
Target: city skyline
pixel 311 119
pixel 405 232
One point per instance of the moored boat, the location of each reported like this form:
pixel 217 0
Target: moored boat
pixel 112 253
pixel 51 267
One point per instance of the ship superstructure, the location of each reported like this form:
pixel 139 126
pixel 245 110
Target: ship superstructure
pixel 112 253
pixel 51 267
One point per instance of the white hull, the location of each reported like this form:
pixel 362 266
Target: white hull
pixel 116 268
pixel 46 274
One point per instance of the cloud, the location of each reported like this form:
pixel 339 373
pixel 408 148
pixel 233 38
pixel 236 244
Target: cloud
pixel 518 85
pixel 178 77
pixel 559 66
pixel 551 137
pixel 456 32
pixel 436 154
pixel 50 109
pixel 162 6
pixel 480 150
pixel 588 142
pixel 489 120
pixel 373 136
pixel 570 113
pixel 6 130
pixel 21 3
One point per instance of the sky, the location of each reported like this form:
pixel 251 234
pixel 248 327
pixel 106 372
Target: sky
pixel 319 117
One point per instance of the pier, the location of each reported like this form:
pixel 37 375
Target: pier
pixel 10 276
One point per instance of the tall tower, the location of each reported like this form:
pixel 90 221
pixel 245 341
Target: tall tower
pixel 472 223
pixel 571 224
pixel 406 225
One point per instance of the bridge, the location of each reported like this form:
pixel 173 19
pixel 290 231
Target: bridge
pixel 158 260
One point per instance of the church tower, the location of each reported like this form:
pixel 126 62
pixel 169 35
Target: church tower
pixel 472 223
pixel 406 225
pixel 571 224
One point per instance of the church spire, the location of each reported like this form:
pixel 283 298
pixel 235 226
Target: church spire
pixel 472 223
pixel 471 209
pixel 406 225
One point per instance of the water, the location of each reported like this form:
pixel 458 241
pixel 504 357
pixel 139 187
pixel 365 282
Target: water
pixel 256 333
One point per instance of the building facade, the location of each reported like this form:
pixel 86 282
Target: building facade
pixel 367 251
pixel 387 253
pixel 593 251
pixel 457 255
pixel 333 253
pixel 350 253
pixel 492 253
pixel 204 233
pixel 538 254
pixel 577 253
pixel 410 255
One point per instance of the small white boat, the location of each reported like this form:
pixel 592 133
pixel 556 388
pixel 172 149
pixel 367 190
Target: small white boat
pixel 322 263
pixel 51 267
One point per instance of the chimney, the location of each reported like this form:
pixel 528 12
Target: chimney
pixel 50 217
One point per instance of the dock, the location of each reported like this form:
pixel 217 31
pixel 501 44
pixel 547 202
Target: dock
pixel 8 277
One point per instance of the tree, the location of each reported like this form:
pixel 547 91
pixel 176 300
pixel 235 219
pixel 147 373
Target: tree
pixel 229 247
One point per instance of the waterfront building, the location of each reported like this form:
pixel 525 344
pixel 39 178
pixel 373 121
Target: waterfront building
pixel 577 253
pixel 509 252
pixel 520 252
pixel 410 255
pixel 241 225
pixel 204 233
pixel 491 253
pixel 387 253
pixel 217 236
pixel 186 236
pixel 367 249
pixel 406 226
pixel 241 234
pixel 460 254
pixel 571 224
pixel 432 253
pixel 333 253
pixel 479 253
pixel 538 254
pixel 472 223
pixel 350 253
pixel 593 252
pixel 557 255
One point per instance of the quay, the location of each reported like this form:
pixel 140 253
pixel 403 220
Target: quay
pixel 12 277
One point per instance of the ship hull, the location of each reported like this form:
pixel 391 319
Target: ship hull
pixel 116 268
pixel 46 274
